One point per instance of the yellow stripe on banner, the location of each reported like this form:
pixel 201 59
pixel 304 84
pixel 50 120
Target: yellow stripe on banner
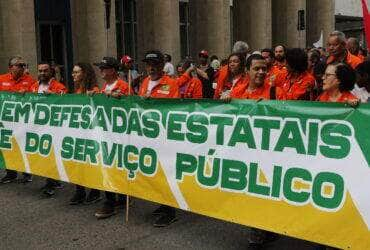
pixel 279 216
pixel 116 180
pixel 44 165
pixel 97 176
pixel 157 189
pixel 13 158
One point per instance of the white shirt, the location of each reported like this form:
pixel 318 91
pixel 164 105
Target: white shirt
pixel 361 93
pixel 169 69
pixel 43 88
pixel 151 86
pixel 110 87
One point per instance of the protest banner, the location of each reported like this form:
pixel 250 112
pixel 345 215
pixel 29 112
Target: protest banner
pixel 296 168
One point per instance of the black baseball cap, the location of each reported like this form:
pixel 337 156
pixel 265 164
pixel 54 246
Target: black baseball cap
pixel 154 56
pixel 108 63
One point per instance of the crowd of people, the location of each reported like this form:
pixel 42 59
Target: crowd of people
pixel 338 73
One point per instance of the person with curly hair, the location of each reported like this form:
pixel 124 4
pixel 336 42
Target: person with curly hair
pixel 297 82
pixel 84 79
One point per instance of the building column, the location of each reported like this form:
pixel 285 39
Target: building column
pixel 210 27
pixel 89 34
pixel 17 33
pixel 295 37
pixel 253 23
pixel 158 27
pixel 285 21
pixel 320 17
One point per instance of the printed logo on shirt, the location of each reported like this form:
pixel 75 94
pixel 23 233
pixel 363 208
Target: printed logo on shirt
pixel 6 83
pixel 164 92
pixel 165 87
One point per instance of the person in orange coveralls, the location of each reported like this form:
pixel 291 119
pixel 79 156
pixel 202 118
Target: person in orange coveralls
pixel 234 84
pixel 159 85
pixel 85 82
pixel 48 85
pixel 115 87
pixel 189 86
pixel 257 88
pixel 16 80
pixel 337 50
pixel 339 80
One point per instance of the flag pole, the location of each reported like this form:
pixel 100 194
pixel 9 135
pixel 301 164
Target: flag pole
pixel 127 196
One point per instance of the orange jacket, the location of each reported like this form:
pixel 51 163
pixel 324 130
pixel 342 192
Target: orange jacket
pixel 7 83
pixel 264 92
pixel 95 89
pixel 121 88
pixel 280 65
pixel 344 97
pixel 296 88
pixel 223 74
pixel 223 84
pixel 55 87
pixel 350 59
pixel 167 88
pixel 239 87
pixel 273 73
pixel 362 57
pixel 189 87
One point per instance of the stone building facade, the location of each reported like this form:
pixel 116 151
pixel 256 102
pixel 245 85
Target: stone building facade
pixel 67 31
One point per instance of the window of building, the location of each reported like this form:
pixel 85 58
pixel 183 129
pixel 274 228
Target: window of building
pixel 184 27
pixel 54 39
pixel 126 28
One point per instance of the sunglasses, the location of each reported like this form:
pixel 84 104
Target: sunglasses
pixel 20 65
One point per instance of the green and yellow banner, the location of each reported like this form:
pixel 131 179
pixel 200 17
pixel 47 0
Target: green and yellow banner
pixel 294 168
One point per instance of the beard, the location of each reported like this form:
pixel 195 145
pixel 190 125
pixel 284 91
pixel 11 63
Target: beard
pixel 280 58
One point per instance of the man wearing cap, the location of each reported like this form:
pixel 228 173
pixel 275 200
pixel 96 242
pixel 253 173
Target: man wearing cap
pixel 205 74
pixel 128 73
pixel 113 86
pixel 159 85
pixel 16 80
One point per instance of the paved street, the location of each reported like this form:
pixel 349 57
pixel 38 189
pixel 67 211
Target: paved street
pixel 29 221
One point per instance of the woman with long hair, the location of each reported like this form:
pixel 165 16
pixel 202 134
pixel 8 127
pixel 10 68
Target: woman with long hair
pixel 84 79
pixel 235 82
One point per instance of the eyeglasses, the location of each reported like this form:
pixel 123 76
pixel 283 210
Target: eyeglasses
pixel 20 65
pixel 326 75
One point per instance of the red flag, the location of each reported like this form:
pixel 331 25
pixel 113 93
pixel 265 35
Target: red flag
pixel 366 14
